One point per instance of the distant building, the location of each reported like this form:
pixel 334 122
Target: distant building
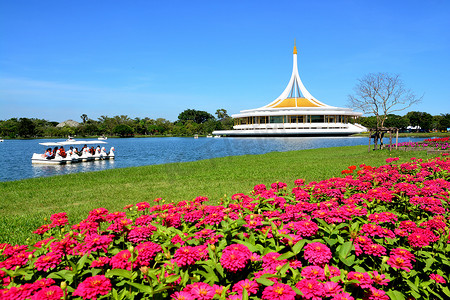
pixel 70 123
pixel 295 113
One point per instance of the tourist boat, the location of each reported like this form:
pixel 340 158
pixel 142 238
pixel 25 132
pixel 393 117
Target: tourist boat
pixel 295 113
pixel 102 137
pixel 71 157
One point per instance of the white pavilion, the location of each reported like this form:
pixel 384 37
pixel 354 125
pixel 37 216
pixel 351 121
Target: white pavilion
pixel 295 113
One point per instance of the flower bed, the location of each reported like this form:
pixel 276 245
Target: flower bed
pixel 441 144
pixel 377 233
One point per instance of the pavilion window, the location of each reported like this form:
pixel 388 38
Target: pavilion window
pixel 331 119
pixel 263 120
pixel 276 119
pixel 317 119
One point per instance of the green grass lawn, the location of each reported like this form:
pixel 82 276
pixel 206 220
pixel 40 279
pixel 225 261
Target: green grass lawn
pixel 25 203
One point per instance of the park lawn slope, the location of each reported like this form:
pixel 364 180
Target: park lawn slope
pixel 26 203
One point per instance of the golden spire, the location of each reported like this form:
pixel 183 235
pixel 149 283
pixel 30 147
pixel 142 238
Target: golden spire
pixel 295 48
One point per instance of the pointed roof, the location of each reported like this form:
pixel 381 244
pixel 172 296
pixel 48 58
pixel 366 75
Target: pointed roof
pixel 295 94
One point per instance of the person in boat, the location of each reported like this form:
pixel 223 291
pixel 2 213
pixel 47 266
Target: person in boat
pixel 77 152
pixel 48 153
pixel 55 150
pixel 92 150
pixel 62 152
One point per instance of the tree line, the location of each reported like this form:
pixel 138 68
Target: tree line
pixel 416 120
pixel 189 122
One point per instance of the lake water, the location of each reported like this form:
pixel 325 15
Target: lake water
pixel 15 155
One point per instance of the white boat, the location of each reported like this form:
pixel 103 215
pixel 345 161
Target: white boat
pixel 102 137
pixel 72 157
pixel 209 136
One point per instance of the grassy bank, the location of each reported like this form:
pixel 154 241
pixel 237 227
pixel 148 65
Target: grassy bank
pixel 25 203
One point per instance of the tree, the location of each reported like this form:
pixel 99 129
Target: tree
pixel 420 119
pixel 84 117
pixel 443 122
pixel 123 130
pixel 197 116
pixel 26 127
pixel 222 114
pixel 381 94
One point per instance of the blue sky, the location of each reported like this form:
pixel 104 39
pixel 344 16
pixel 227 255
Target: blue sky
pixel 62 59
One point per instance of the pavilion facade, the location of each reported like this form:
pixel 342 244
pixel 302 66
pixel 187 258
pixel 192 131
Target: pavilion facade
pixel 295 113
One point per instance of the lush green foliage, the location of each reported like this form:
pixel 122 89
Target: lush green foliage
pixel 377 233
pixel 190 122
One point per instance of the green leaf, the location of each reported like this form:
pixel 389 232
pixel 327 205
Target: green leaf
pixel 63 274
pixel 265 281
pixel 348 261
pixel 412 285
pixel 172 278
pixel 143 288
pixel 395 295
pixel 330 242
pixel 446 291
pixel 298 246
pixel 285 255
pixel 345 249
pixel 82 261
pixel 118 272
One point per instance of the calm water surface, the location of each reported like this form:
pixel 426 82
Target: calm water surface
pixel 15 155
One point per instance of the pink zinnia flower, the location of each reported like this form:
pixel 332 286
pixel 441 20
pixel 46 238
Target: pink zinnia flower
pixel 313 272
pixel 375 294
pixel 278 291
pixel 142 206
pixel 182 296
pixel 331 288
pixel 187 255
pixel 92 287
pixel 250 286
pixel 400 262
pixel 100 262
pixel 49 293
pixel 147 252
pixel 310 288
pixel 438 278
pixel 47 261
pixel 343 296
pixel 379 278
pixel 364 279
pixel 317 253
pixel 121 260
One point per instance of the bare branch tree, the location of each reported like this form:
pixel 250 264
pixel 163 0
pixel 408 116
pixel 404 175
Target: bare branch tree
pixel 381 94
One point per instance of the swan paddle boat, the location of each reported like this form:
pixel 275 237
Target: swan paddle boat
pixel 71 156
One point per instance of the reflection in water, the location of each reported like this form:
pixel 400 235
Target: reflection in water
pixel 15 155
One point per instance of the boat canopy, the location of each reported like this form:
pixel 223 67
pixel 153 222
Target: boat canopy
pixel 65 143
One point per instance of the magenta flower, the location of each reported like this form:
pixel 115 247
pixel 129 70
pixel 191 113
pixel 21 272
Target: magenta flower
pixel 250 286
pixel 49 293
pixel 317 253
pixel 278 291
pixel 438 278
pixel 47 261
pixel 92 287
pixel 400 262
pixel 121 260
